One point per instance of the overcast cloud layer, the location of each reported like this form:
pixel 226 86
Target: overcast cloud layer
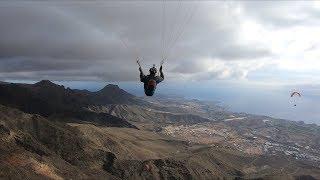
pixel 99 41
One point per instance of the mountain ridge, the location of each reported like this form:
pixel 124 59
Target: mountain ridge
pixel 51 100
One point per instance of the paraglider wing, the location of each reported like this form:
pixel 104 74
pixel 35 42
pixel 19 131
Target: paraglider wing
pixel 295 94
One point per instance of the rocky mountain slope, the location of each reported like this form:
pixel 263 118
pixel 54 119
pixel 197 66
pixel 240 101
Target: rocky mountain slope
pixel 63 104
pixel 51 132
pixel 34 147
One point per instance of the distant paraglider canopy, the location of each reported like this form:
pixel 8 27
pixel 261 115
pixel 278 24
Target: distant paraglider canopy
pixel 295 95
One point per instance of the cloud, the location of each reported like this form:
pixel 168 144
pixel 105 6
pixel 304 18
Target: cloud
pixel 208 69
pixel 100 41
pixel 282 13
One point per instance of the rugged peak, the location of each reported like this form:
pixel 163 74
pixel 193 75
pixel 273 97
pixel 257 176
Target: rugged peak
pixel 112 94
pixel 111 86
pixel 45 83
pixel 112 89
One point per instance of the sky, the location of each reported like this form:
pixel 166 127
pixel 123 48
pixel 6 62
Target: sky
pixel 248 54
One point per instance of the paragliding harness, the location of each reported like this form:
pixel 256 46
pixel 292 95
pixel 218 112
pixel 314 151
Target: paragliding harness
pixel 151 87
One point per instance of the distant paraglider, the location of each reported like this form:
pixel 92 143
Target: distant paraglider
pixel 295 95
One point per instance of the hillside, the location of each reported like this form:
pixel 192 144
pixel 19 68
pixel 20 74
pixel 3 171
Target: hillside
pixel 39 148
pixel 64 104
pixel 47 98
pixel 48 131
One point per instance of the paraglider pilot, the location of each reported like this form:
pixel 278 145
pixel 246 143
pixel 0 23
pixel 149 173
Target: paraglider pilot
pixel 150 81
